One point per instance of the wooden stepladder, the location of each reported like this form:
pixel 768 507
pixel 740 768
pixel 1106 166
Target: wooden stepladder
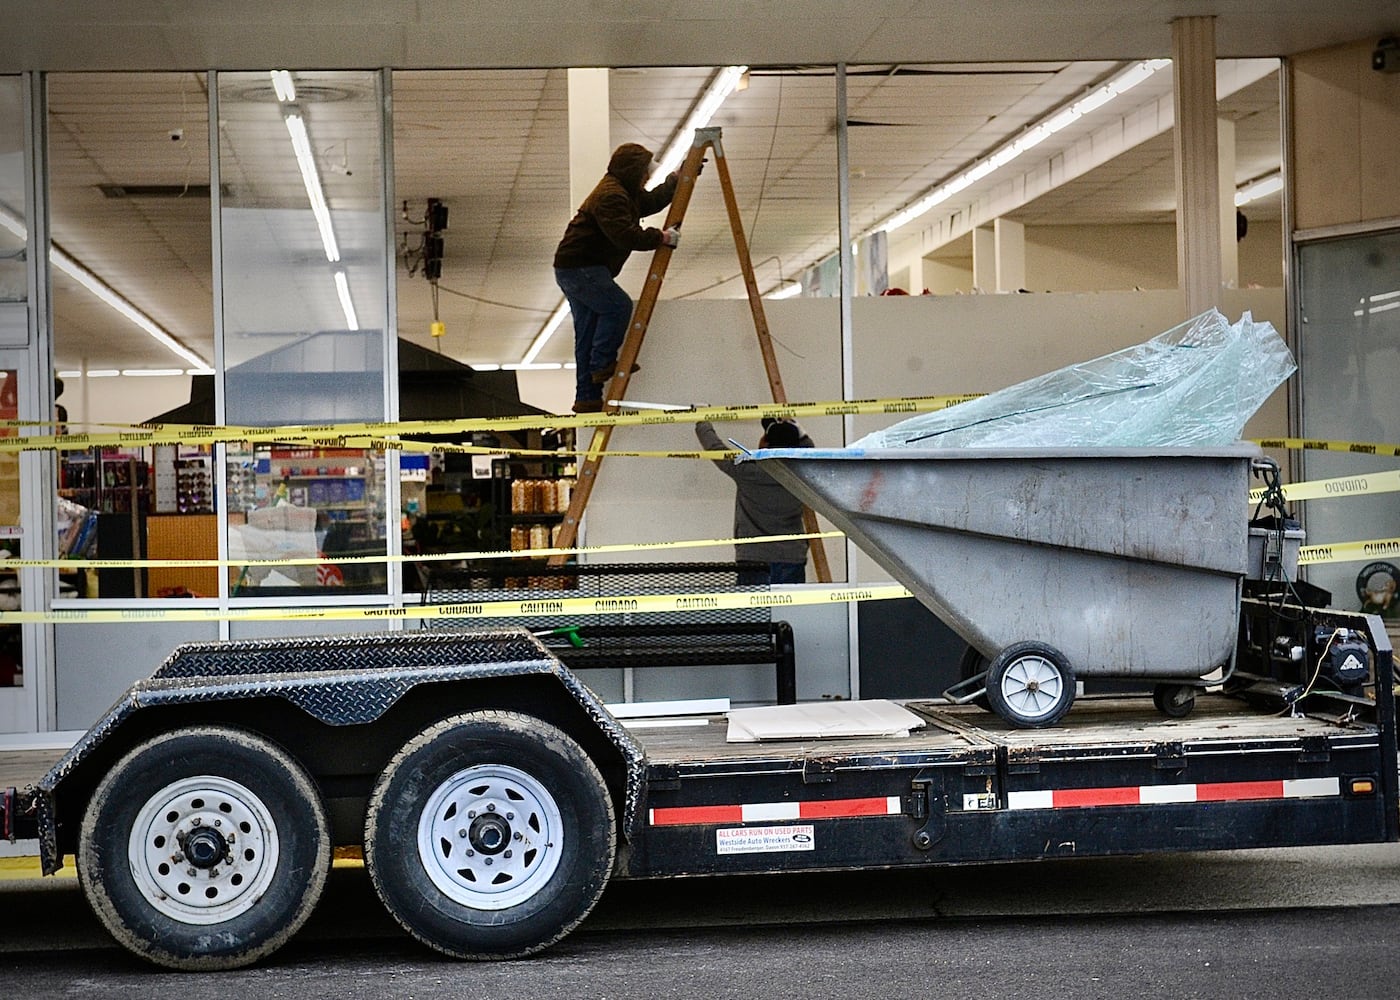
pixel 706 140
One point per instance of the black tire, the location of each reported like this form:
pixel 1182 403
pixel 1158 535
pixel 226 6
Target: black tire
pixel 1174 700
pixel 227 805
pixel 972 664
pixel 1030 685
pixel 490 835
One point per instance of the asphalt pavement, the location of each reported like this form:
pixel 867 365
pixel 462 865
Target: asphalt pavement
pixel 1310 923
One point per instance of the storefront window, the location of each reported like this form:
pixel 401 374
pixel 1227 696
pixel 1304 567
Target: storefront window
pixel 11 640
pixel 315 511
pixel 305 317
pixel 1349 361
pixel 14 296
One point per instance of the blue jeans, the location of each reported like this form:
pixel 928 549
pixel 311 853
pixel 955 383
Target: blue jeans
pixel 601 311
pixel 781 572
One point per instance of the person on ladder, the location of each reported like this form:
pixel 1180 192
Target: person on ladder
pixel 596 243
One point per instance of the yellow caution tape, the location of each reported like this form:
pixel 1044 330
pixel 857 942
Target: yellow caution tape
pixel 1376 548
pixel 1343 486
pixel 335 435
pixel 694 543
pixel 1315 444
pixel 545 605
pixel 552 604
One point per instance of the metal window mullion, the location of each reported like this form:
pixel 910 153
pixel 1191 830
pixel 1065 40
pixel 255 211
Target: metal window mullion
pixel 216 206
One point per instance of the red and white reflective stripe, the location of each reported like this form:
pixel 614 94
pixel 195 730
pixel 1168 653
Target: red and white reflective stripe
pixel 768 812
pixel 1146 795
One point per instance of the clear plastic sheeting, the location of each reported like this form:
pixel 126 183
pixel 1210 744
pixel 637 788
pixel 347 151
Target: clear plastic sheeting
pixel 1195 384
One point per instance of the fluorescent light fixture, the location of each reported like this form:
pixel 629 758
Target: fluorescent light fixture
pixel 1115 87
pixel 283 86
pixel 311 179
pixel 286 92
pixel 786 291
pixel 542 338
pixel 342 289
pixel 102 373
pixel 70 266
pixel 199 371
pixel 722 84
pixel 538 366
pixel 1387 300
pixel 1258 188
pixel 152 372
pixel 488 367
pixel 637 404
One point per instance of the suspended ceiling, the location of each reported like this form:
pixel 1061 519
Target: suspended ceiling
pixel 493 145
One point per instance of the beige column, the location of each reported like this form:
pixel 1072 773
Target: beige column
pixel 984 260
pixel 590 142
pixel 1229 246
pixel 1197 176
pixel 1011 254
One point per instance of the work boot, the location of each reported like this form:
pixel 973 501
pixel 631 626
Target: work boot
pixel 588 406
pixel 603 374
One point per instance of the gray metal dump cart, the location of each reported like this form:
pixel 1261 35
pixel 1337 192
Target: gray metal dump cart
pixel 1052 563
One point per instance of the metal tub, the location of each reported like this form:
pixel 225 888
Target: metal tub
pixel 1129 561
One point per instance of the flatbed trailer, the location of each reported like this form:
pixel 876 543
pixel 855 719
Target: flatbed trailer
pixel 494 797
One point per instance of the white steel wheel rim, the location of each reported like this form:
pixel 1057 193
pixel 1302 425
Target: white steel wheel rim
pixel 1033 686
pixel 203 849
pixel 490 837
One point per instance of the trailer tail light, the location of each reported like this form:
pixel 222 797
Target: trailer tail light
pixel 1360 787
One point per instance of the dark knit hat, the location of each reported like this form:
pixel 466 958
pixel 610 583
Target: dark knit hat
pixel 783 434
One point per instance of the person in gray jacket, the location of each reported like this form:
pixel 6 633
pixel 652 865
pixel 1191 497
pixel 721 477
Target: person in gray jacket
pixel 761 505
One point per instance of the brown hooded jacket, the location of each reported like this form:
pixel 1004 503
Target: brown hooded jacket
pixel 607 226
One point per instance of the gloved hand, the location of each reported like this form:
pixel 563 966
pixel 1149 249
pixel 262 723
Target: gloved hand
pixel 671 237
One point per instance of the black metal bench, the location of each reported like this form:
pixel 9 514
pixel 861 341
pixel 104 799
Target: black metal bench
pixel 711 637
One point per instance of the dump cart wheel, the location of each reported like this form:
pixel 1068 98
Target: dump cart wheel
pixel 972 664
pixel 1174 700
pixel 1030 684
pixel 205 848
pixel 490 835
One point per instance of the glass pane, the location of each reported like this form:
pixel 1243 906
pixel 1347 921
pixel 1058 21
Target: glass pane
pixel 303 240
pixel 305 316
pixel 11 639
pixel 14 294
pixel 1349 359
pixel 311 506
pixel 133 321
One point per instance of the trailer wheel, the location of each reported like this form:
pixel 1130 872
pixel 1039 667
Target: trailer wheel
pixel 206 848
pixel 1174 700
pixel 1030 684
pixel 490 835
